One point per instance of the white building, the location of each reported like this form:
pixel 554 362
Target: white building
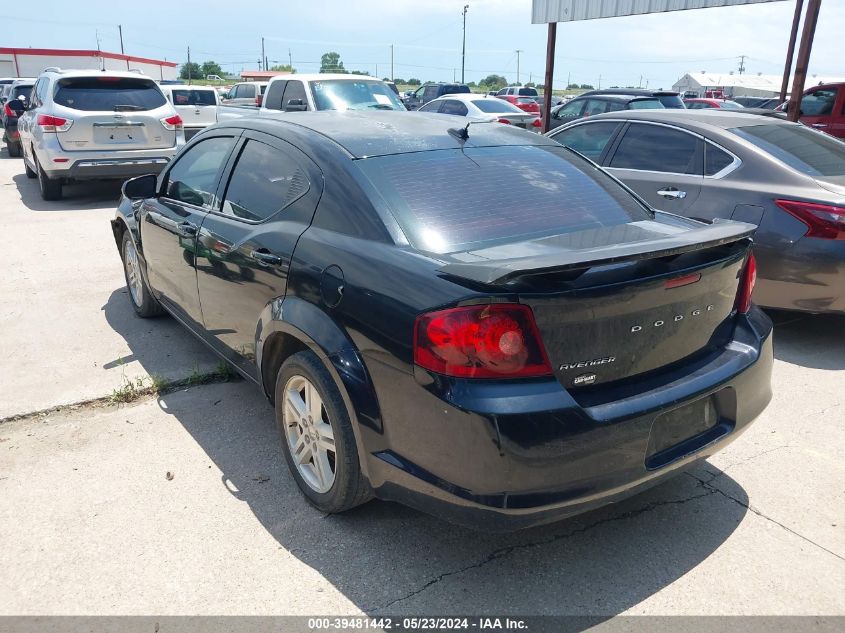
pixel 735 85
pixel 30 62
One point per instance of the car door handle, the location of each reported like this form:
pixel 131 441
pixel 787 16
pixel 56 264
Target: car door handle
pixel 671 193
pixel 819 125
pixel 186 229
pixel 266 257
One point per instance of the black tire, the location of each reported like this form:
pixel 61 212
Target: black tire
pixel 145 304
pixel 350 488
pixel 51 188
pixel 30 172
pixel 14 149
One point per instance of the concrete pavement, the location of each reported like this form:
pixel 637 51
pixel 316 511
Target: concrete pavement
pixel 91 524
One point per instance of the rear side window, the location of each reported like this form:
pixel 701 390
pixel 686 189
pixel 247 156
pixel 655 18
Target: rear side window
pixel 193 177
pixel 588 139
pixel 646 104
pixel 810 152
pixel 264 181
pixel 193 98
pixel 453 107
pixel 715 159
pixel 450 200
pixel 671 101
pixel 495 106
pixel 658 148
pixel 111 94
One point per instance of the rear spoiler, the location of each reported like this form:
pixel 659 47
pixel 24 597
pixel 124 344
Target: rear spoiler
pixel 500 271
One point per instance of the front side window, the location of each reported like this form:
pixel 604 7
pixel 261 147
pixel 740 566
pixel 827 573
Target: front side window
pixel 193 177
pixel 109 94
pixel 470 196
pixel 570 111
pixel 594 107
pixel 265 180
pixel 818 103
pixel 273 98
pixel 589 139
pixel 658 148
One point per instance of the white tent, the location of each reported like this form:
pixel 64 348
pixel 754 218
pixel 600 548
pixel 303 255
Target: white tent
pixel 735 85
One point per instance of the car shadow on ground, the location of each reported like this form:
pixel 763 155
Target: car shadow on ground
pixel 388 559
pixel 809 340
pixel 76 197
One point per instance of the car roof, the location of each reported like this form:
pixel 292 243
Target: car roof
pixel 615 97
pixel 91 72
pixel 715 118
pixel 466 96
pixel 638 92
pixel 366 134
pixel 187 87
pixel 322 77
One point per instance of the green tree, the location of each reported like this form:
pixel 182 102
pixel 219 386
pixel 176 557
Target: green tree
pixel 414 81
pixel 357 72
pixel 211 68
pixel 572 87
pixel 399 81
pixel 285 68
pixel 586 87
pixel 330 63
pixel 494 81
pixel 191 71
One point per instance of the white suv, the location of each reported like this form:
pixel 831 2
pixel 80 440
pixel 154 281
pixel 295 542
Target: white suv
pixel 92 125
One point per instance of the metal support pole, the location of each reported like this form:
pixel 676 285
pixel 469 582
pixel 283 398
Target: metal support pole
pixel 517 65
pixel 263 57
pixel 391 62
pixel 550 73
pixel 790 49
pixel 810 20
pixel 464 45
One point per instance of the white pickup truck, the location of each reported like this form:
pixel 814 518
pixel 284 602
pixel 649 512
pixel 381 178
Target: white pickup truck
pixel 298 93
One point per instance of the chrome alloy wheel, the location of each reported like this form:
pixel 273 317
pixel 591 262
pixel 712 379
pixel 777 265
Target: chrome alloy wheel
pixel 133 273
pixel 309 434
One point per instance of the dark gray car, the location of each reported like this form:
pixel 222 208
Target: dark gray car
pixel 784 177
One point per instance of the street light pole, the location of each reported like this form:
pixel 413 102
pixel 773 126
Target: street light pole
pixel 517 65
pixel 464 45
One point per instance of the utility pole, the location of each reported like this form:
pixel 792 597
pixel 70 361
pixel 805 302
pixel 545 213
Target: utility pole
pixel 120 30
pixel 518 51
pixel 811 18
pixel 290 61
pixel 391 62
pixel 189 65
pixel 464 45
pixel 263 57
pixel 599 82
pixel 742 63
pixel 640 85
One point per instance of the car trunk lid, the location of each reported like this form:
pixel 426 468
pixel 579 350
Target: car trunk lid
pixel 617 302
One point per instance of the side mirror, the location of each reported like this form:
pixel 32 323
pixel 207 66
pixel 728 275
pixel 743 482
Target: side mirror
pixel 141 187
pixel 17 106
pixel 296 105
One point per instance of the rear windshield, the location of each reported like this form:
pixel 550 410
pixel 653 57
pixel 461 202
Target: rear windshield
pixel 495 106
pixel 193 98
pixel 21 90
pixel 527 92
pixel 671 101
pixel 810 152
pixel 354 94
pixel 647 104
pixel 113 94
pixel 454 89
pixel 448 200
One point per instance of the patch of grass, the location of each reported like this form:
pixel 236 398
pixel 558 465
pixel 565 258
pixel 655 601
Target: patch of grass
pixel 129 390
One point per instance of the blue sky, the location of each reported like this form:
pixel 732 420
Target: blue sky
pixel 426 35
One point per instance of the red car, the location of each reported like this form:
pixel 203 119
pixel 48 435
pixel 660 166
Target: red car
pixel 523 103
pixel 823 108
pixel 702 104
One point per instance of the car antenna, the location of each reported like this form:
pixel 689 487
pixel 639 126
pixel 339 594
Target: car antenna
pixel 460 133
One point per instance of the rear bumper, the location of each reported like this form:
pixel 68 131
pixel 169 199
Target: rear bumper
pixel 109 168
pixel 808 275
pixel 490 457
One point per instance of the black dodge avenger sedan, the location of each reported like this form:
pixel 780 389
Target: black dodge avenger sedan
pixel 471 320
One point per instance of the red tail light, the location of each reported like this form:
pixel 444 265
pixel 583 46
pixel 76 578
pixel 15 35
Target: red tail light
pixel 537 123
pixel 9 111
pixel 498 340
pixel 822 220
pixel 172 122
pixel 258 100
pixel 53 123
pixel 505 121
pixel 746 285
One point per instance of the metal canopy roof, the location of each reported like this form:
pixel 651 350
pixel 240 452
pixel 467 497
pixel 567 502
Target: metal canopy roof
pixel 543 11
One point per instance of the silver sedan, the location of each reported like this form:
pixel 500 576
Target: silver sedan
pixel 483 108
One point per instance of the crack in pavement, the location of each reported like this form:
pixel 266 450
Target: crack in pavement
pixel 723 470
pixel 505 551
pixel 706 484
